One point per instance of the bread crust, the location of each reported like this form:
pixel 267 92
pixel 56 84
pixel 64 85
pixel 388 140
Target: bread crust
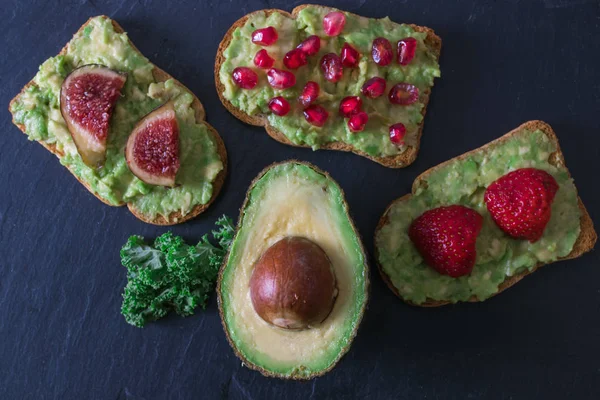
pixel 584 243
pixel 160 76
pixel 433 42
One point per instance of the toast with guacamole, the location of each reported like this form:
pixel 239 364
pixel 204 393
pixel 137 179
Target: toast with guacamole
pixel 293 288
pixel 128 131
pixel 477 224
pixel 323 78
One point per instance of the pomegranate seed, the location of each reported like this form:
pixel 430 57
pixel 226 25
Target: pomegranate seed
pixel 332 68
pixel 349 56
pixel 262 59
pixel 316 115
pixel 350 105
pixel 382 52
pixel 406 50
pixel 279 106
pixel 294 59
pixel 397 132
pixel 281 79
pixel 244 77
pixel 357 122
pixel 404 94
pixel 309 93
pixel 311 45
pixel 374 87
pixel 333 23
pixel 265 36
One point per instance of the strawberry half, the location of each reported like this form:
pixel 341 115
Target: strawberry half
pixel 445 237
pixel 520 202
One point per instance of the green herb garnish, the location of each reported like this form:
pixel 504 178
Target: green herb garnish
pixel 171 275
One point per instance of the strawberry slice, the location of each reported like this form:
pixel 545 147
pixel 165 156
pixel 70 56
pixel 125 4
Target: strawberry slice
pixel 446 236
pixel 520 202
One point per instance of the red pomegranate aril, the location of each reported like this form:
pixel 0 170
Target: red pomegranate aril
pixel 333 23
pixel 309 93
pixel 244 77
pixel 311 45
pixel 279 106
pixel 332 68
pixel 315 115
pixel 281 79
pixel 349 56
pixel 374 87
pixel 406 50
pixel 350 105
pixel 265 36
pixel 357 122
pixel 397 132
pixel 262 59
pixel 294 59
pixel 382 52
pixel 403 94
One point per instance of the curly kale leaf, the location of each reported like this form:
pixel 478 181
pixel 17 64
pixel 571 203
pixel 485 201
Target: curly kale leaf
pixel 224 235
pixel 171 275
pixel 141 259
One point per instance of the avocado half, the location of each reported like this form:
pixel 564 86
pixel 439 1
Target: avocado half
pixel 286 199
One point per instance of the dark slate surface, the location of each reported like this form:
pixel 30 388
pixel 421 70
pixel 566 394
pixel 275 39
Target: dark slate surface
pixel 61 334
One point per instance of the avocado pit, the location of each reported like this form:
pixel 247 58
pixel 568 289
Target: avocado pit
pixel 293 284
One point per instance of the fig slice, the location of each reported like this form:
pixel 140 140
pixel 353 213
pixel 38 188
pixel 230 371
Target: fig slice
pixel 152 150
pixel 87 99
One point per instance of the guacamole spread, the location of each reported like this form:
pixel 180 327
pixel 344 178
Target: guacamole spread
pixel 498 256
pixel 358 32
pixel 38 108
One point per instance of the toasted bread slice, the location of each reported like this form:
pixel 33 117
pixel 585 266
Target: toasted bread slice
pixel 160 76
pixel 584 243
pixel 433 42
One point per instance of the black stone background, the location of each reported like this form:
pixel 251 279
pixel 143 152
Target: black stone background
pixel 503 63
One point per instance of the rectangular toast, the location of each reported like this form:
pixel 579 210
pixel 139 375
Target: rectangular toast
pixel 403 159
pixel 584 242
pixel 159 76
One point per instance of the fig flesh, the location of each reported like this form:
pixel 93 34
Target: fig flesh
pixel 87 99
pixel 152 150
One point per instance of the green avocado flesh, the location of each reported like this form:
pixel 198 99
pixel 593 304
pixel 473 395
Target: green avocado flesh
pixel 293 199
pixel 359 32
pixel 38 108
pixel 498 256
